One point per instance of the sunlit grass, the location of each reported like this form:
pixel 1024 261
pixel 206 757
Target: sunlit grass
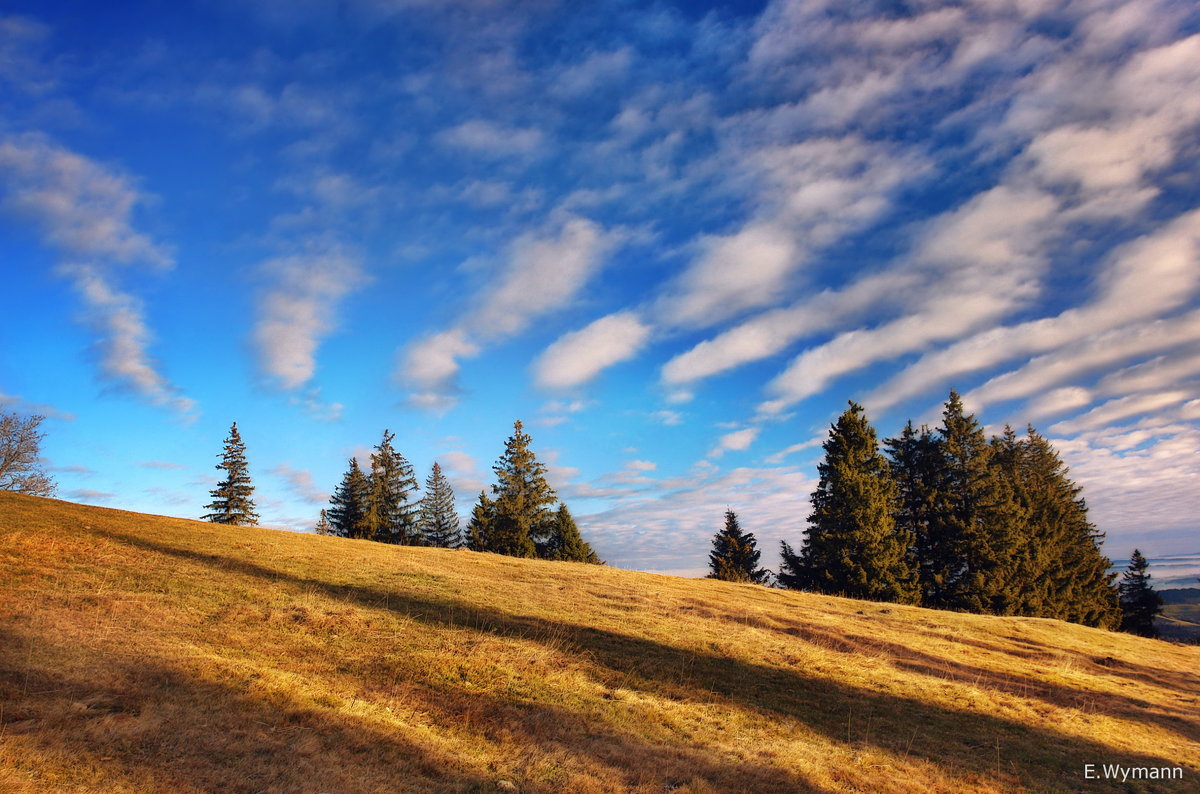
pixel 140 653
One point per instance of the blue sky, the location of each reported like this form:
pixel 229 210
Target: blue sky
pixel 673 239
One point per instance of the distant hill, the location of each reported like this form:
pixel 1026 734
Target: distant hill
pixel 1180 618
pixel 1181 595
pixel 148 654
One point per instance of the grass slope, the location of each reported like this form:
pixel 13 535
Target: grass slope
pixel 149 654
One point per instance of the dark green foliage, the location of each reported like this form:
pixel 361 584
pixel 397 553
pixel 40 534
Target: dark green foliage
pixel 391 511
pixel 520 517
pixel 734 556
pixel 854 546
pixel 439 522
pixel 1139 603
pixel 323 526
pixel 350 504
pixel 20 451
pixel 917 468
pixel 232 501
pixel 977 519
pixel 1062 571
pixel 792 575
pixel 565 542
pixel 479 525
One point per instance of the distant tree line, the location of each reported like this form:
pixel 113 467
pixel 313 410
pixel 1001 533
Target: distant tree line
pixel 950 519
pixel 382 504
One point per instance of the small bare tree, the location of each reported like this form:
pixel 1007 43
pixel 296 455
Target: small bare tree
pixel 20 448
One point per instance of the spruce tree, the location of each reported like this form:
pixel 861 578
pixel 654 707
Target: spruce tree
pixel 479 526
pixel 439 522
pixel 734 555
pixel 854 546
pixel 1063 572
pixel 350 503
pixel 918 469
pixel 323 526
pixel 978 517
pixel 565 542
pixel 1139 602
pixel 232 501
pixel 391 510
pixel 792 573
pixel 521 516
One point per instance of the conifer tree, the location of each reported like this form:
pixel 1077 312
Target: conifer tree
pixel 734 555
pixel 349 505
pixel 439 522
pixel 854 547
pixel 1139 602
pixel 521 516
pixel 565 542
pixel 391 510
pixel 792 573
pixel 479 526
pixel 918 469
pixel 232 499
pixel 978 517
pixel 1063 572
pixel 323 526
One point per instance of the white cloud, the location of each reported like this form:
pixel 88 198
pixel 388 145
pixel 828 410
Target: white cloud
pixel 577 357
pixel 81 207
pixel 1147 277
pixel 86 211
pixel 668 418
pixel 299 309
pixel 738 440
pixel 544 272
pixel 491 139
pixel 1121 408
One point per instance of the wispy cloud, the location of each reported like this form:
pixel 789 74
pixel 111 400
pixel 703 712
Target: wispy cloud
pixel 736 441
pixel 299 309
pixel 579 356
pixel 86 211
pixel 543 272
pixel 300 481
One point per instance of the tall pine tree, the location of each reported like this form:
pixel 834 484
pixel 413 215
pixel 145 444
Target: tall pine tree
pixel 917 467
pixel 1062 571
pixel 350 504
pixel 978 517
pixel 565 542
pixel 232 499
pixel 854 546
pixel 439 522
pixel 734 555
pixel 521 517
pixel 1139 602
pixel 392 510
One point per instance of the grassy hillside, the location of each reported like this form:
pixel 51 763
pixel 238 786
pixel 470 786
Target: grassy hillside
pixel 149 654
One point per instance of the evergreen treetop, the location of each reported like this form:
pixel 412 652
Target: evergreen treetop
pixel 565 542
pixel 232 499
pixel 350 503
pixel 439 522
pixel 521 517
pixel 1139 601
pixel 854 546
pixel 392 513
pixel 734 555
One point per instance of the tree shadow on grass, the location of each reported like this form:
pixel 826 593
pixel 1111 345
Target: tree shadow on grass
pixel 1177 719
pixel 147 725
pixel 954 738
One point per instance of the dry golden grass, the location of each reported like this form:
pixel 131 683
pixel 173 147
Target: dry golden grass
pixel 149 654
